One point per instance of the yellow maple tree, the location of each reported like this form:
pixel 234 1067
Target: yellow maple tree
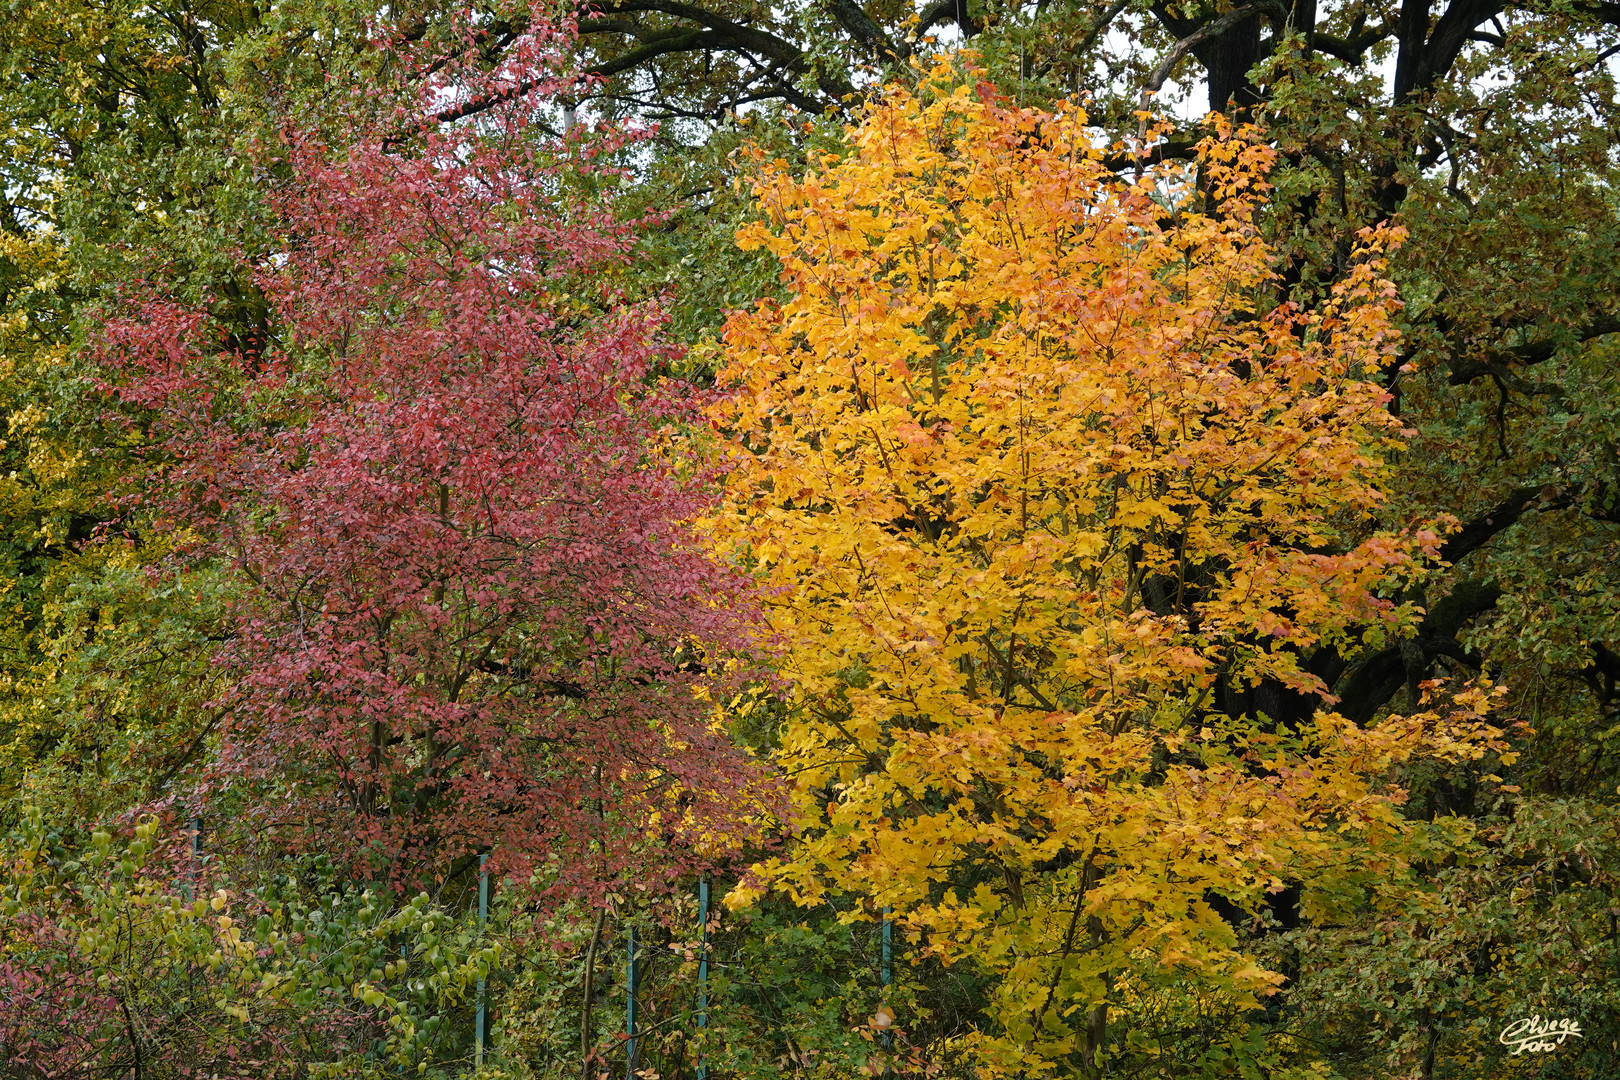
pixel 1043 477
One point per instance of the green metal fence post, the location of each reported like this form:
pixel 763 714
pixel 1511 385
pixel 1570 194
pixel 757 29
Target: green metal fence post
pixel 630 1007
pixel 888 968
pixel 888 944
pixel 703 975
pixel 483 913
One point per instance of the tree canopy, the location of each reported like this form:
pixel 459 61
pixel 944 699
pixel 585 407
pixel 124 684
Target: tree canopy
pixel 1092 523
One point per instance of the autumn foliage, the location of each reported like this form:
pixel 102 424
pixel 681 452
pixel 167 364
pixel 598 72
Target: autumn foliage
pixel 1052 496
pixel 1068 611
pixel 470 615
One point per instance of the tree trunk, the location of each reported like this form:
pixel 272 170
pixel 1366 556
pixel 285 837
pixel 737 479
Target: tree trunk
pixel 1228 59
pixel 590 995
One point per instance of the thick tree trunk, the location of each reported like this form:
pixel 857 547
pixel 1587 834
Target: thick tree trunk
pixel 1228 59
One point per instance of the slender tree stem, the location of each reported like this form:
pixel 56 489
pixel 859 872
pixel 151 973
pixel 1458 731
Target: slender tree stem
pixel 590 993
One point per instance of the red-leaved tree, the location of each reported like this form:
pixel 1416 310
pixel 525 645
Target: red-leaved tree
pixel 473 618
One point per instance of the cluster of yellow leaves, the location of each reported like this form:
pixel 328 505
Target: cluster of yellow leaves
pixel 1041 476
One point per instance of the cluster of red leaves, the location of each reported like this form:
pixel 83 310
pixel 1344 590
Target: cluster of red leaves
pixel 472 617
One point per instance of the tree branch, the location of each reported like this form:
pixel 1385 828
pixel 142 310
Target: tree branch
pixel 948 11
pixel 863 28
pixel 688 41
pixel 1212 29
pixel 1375 681
pixel 1352 48
pixel 1477 532
pixel 1466 371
